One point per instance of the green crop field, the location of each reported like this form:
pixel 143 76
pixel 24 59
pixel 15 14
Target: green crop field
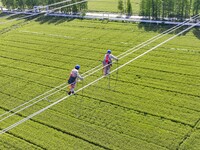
pixel 150 104
pixel 111 5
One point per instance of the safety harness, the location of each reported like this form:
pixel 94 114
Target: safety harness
pixel 107 59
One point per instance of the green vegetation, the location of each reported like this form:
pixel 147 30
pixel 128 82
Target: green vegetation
pixel 169 8
pixel 155 9
pixel 152 103
pixel 112 6
pixel 22 4
pixel 98 5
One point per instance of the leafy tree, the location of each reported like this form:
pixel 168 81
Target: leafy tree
pixel 32 3
pixel 21 4
pixel 170 7
pixel 3 2
pixel 129 8
pixel 10 4
pixel 196 7
pixel 120 6
pixel 143 8
pixel 180 9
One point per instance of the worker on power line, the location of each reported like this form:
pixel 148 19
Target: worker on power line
pixel 107 62
pixel 74 76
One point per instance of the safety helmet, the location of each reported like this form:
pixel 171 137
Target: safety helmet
pixel 109 51
pixel 77 67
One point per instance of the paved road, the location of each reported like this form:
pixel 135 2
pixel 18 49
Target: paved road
pixel 118 17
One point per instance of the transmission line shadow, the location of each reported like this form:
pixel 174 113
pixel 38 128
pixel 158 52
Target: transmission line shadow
pixel 3 14
pixel 160 28
pixel 52 20
pixel 196 32
pixel 153 27
pixel 11 16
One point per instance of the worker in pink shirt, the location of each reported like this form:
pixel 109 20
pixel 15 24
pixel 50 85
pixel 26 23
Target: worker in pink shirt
pixel 107 62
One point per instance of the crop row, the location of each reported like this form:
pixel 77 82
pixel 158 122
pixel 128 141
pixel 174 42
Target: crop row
pixel 139 94
pixel 38 135
pixel 106 115
pixel 82 130
pixel 78 108
pixel 26 86
pixel 57 56
pixel 123 120
pixel 114 99
pixel 192 142
pixel 11 142
pixel 179 87
pixel 88 42
pixel 161 84
pixel 163 107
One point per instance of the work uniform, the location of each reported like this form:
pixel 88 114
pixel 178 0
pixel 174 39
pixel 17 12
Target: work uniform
pixel 107 62
pixel 74 76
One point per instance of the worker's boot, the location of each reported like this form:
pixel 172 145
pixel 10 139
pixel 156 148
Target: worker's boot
pixel 69 93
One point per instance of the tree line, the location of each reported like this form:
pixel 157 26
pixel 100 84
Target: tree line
pixel 154 9
pixel 160 9
pixel 125 7
pixel 29 4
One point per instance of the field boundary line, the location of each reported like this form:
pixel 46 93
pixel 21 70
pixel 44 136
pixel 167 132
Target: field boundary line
pixel 189 134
